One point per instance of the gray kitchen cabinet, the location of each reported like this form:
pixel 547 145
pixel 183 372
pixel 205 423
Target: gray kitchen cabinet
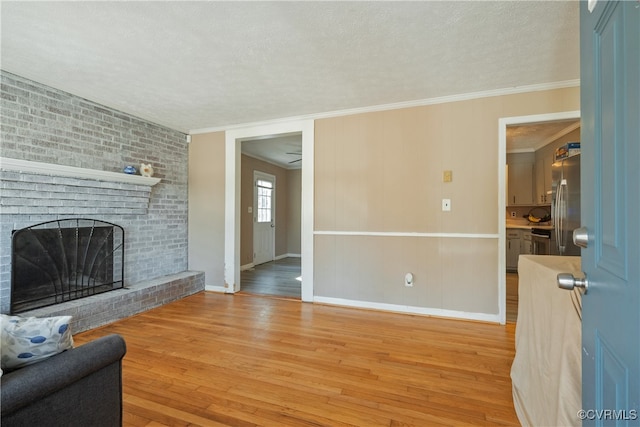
pixel 520 179
pixel 514 238
pixel 544 158
pixel 525 243
pixel 543 180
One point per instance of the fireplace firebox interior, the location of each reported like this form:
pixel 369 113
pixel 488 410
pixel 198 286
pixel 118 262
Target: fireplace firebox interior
pixel 64 260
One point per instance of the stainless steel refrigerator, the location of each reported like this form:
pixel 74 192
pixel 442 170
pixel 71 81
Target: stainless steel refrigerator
pixel 565 203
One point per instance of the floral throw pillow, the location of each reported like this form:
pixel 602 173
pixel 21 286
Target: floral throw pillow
pixel 26 340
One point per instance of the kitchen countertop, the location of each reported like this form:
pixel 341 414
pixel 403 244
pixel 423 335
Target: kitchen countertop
pixel 530 226
pixel 523 224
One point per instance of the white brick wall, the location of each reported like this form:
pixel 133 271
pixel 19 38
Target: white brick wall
pixel 42 124
pixel 31 193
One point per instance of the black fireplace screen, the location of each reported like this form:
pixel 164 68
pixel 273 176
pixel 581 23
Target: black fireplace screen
pixel 64 260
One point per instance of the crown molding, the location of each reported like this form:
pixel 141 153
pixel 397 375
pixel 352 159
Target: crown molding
pixel 398 105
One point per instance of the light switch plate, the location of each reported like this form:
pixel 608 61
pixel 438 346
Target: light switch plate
pixel 447 176
pixel 446 205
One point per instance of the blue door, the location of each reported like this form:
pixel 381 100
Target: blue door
pixel 610 110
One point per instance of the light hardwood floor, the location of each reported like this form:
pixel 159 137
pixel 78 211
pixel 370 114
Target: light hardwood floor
pixel 273 278
pixel 246 360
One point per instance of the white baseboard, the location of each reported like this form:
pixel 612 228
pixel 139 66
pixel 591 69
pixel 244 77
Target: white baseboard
pixel 211 288
pixel 425 311
pixel 394 308
pixel 247 266
pixel 288 256
pixel 279 257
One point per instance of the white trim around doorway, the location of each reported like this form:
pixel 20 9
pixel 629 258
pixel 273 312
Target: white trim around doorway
pixel 502 205
pixel 233 139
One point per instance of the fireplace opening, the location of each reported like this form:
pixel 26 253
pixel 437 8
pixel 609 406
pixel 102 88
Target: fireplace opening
pixel 64 260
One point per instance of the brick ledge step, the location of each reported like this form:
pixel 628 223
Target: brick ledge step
pixel 98 310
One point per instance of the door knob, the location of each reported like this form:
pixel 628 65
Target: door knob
pixel 581 237
pixel 568 281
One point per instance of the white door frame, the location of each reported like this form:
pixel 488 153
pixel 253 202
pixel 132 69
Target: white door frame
pixel 267 177
pixel 502 205
pixel 233 138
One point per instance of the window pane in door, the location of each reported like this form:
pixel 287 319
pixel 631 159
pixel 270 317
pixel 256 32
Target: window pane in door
pixel 265 190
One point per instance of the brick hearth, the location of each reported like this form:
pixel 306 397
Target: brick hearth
pixel 31 188
pixel 98 310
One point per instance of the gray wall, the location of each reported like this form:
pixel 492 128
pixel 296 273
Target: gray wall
pixel 43 124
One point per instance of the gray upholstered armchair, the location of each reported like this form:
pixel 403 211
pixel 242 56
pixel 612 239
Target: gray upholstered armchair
pixel 79 387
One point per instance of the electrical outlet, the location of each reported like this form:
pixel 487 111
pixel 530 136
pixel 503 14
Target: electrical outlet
pixel 513 214
pixel 408 280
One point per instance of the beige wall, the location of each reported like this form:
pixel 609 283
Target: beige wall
pixel 382 172
pixel 248 166
pixel 206 206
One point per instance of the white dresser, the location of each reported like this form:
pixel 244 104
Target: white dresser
pixel 547 370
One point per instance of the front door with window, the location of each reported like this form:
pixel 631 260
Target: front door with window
pixel 610 104
pixel 264 191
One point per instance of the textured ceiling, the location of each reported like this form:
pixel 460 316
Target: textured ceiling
pixel 282 150
pixel 202 65
pixel 533 136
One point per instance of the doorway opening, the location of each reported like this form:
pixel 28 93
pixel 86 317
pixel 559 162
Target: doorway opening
pixel 271 210
pixel 235 213
pixel 524 140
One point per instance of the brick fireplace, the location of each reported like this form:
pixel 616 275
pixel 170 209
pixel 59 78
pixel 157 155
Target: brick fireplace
pixel 62 157
pixel 30 189
pixel 64 260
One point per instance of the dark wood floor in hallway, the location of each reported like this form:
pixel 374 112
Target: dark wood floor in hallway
pixel 278 278
pixel 512 297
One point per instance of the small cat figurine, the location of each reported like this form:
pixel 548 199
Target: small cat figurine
pixel 146 170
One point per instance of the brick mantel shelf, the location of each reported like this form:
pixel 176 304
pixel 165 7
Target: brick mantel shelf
pixel 17 165
pixel 35 188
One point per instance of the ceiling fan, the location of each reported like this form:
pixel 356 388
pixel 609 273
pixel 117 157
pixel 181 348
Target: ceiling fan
pixel 296 154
